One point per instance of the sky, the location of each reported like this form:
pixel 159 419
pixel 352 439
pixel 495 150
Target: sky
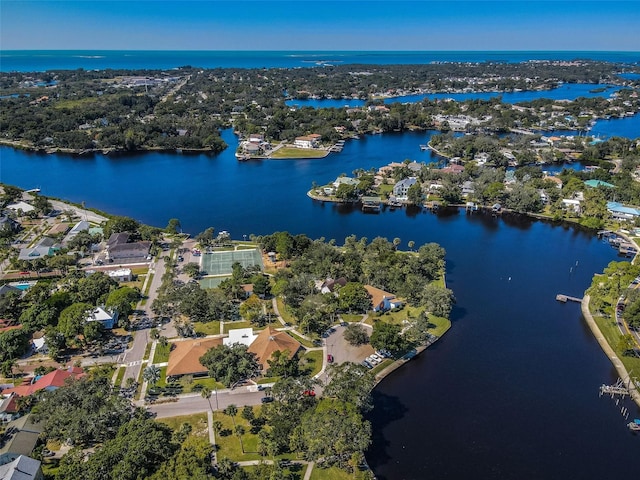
pixel 319 25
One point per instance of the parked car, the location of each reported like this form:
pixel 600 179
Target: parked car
pixel 330 358
pixel 266 399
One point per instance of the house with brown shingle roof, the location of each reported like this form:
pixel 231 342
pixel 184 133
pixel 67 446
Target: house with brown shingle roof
pixel 382 300
pixel 184 359
pixel 268 341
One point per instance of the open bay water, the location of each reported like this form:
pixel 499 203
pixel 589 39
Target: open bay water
pixel 510 392
pixel 43 60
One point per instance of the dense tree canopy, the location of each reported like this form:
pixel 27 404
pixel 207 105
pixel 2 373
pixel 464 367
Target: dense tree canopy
pixel 230 364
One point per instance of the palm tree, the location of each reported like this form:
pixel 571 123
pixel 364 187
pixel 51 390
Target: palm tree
pixel 239 432
pixel 232 411
pixel 206 393
pixel 151 374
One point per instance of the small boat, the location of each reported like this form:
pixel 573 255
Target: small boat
pixel 635 425
pixel 424 147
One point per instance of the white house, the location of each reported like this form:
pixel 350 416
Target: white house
pixel 401 188
pixel 23 206
pixel 121 275
pixel 107 319
pixel 307 141
pixel 346 181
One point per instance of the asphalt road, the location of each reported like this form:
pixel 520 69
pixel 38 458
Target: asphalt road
pixel 187 405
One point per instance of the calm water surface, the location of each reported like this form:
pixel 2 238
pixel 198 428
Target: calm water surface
pixel 512 389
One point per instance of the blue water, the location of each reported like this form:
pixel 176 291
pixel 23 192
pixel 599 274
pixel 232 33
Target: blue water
pixel 511 390
pixel 515 359
pixel 42 60
pixel 630 76
pixel 567 91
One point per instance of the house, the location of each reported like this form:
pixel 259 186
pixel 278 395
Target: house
pixel 120 250
pixel 247 289
pixel 345 181
pixel 6 288
pixel 598 183
pixel 9 408
pixel 108 320
pixel 382 300
pixel 571 204
pixel 481 158
pixel 51 381
pixel 23 207
pixel 184 359
pixel 121 275
pixel 8 224
pixel 39 344
pixel 243 336
pixel 307 141
pixel 401 188
pixel 22 468
pixel 620 212
pixel 58 228
pixel 46 247
pixel 81 226
pixel 330 285
pixel 20 438
pixel 454 169
pixel 269 341
pixel 468 189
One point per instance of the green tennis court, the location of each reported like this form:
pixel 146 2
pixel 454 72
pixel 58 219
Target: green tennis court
pixel 219 263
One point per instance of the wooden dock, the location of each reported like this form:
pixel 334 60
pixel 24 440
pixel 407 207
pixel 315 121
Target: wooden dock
pixel 566 298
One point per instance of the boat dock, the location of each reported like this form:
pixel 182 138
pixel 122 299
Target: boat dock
pixel 566 298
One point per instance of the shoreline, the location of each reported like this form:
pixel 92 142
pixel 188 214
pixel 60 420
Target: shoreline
pixel 615 361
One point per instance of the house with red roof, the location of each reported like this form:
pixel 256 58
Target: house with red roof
pixel 50 381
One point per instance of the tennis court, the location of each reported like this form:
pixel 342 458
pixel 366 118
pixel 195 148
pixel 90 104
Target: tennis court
pixel 219 263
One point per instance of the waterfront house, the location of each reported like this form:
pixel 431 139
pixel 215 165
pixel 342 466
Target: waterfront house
pixel 21 206
pixel 572 204
pixel 306 141
pixel 345 181
pixel 468 189
pixel 107 319
pixel 381 300
pixel 120 250
pixel 401 189
pixel 620 212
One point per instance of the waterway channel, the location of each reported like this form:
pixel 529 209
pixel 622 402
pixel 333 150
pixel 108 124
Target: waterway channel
pixel 510 392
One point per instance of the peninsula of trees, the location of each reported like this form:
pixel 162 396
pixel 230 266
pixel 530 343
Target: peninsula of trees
pixel 113 110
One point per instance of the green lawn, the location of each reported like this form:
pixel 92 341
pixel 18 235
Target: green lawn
pixel 120 376
pixel 381 366
pixel 296 473
pixel 208 328
pixel 303 341
pixel 233 325
pixel 162 353
pixel 205 382
pixel 284 312
pixel 292 152
pixel 611 333
pixel 441 325
pixel 313 361
pixel 229 446
pixel 334 473
pixel 397 316
pixel 163 377
pixel 350 317
pixel 198 422
pixel 147 350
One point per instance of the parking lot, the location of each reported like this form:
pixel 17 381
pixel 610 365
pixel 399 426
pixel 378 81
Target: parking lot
pixel 342 351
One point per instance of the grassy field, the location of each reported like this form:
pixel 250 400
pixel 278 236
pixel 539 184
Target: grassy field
pixel 234 325
pixel 229 445
pixel 334 473
pixel 198 422
pixel 396 316
pixel 313 361
pixel 292 152
pixel 162 353
pixel 284 312
pixel 611 333
pixel 208 328
pixel 441 325
pixel 350 317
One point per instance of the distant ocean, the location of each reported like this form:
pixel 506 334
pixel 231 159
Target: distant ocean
pixel 43 60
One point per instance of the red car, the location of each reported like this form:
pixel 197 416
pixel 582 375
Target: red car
pixel 330 358
pixel 309 393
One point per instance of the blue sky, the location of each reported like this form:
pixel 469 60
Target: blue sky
pixel 319 25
